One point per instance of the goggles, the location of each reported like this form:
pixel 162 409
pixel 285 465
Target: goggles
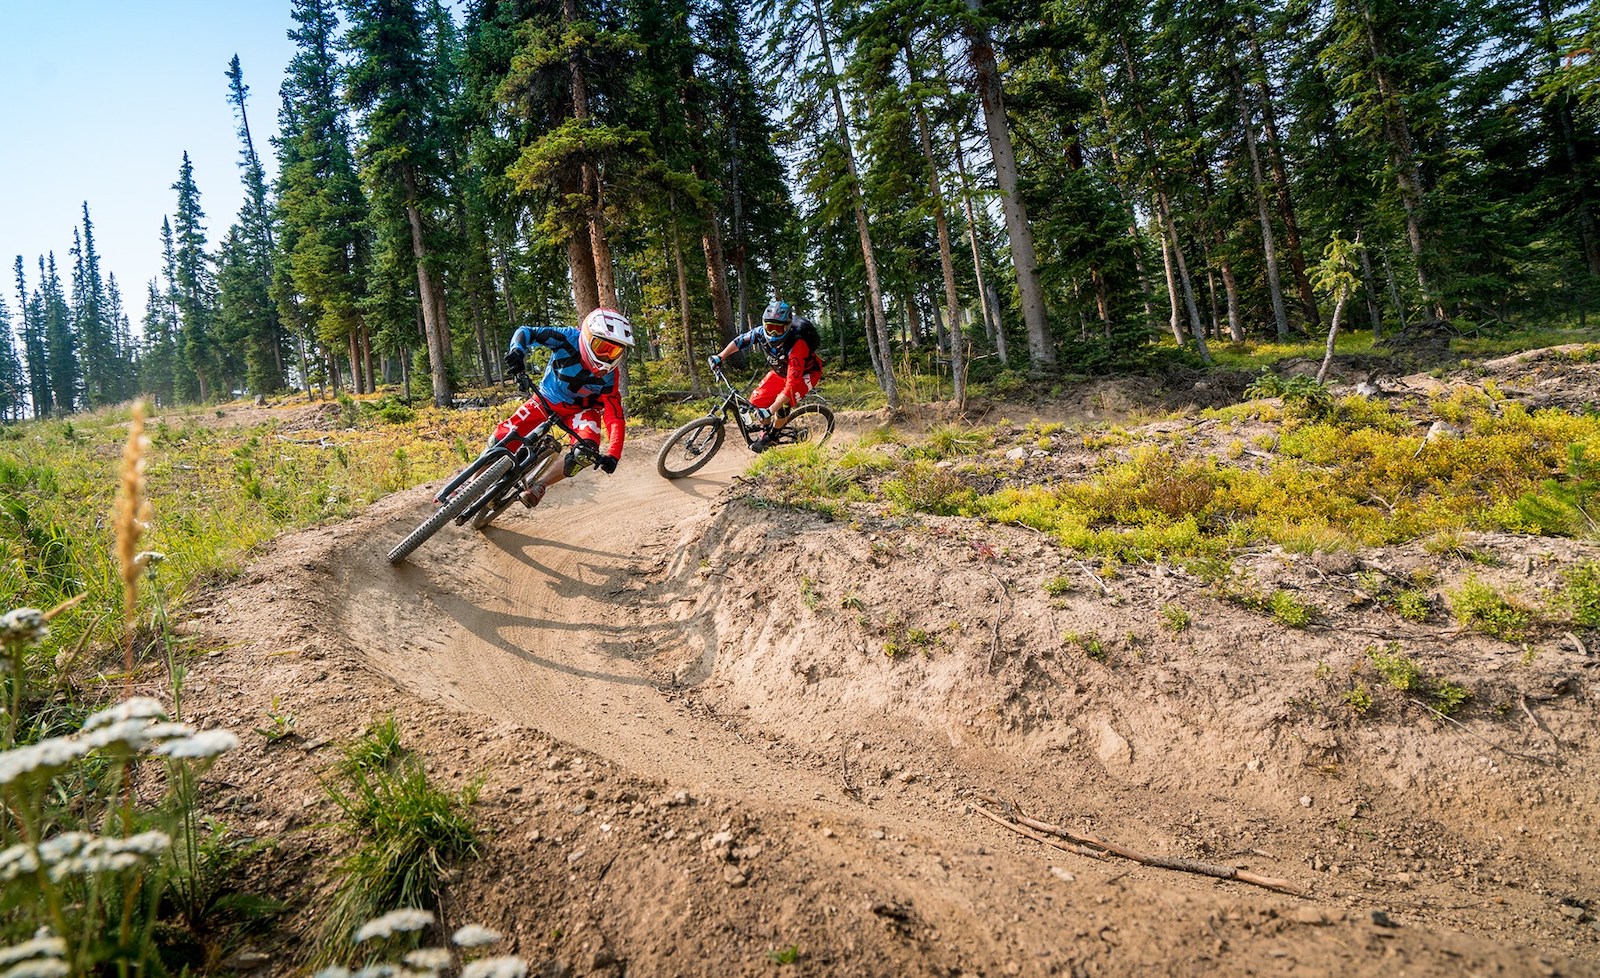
pixel 608 350
pixel 775 328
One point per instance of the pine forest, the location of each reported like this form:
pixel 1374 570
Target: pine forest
pixel 1062 187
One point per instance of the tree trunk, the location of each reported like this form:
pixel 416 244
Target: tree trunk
pixel 991 320
pixel 879 331
pixel 1369 292
pixel 1403 155
pixel 580 258
pixel 1269 246
pixel 980 51
pixel 717 274
pixel 1196 326
pixel 1231 286
pixel 436 328
pixel 1333 332
pixel 1394 289
pixel 685 320
pixel 1280 183
pixel 1176 319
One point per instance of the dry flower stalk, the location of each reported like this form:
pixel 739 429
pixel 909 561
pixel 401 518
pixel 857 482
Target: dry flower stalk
pixel 132 514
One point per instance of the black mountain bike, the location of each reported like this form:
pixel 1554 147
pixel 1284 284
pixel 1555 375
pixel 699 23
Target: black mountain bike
pixel 492 482
pixel 693 445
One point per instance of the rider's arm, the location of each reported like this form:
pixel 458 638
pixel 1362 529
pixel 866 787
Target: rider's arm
pixel 528 336
pixel 615 425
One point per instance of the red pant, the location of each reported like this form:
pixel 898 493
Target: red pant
pixel 773 384
pixel 584 420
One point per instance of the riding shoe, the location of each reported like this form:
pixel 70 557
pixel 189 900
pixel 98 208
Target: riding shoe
pixel 531 495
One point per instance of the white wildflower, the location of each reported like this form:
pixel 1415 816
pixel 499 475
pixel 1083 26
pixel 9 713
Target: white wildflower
pixel 134 707
pixel 44 944
pixel 501 967
pixel 333 971
pixel 375 971
pixel 23 625
pixel 394 922
pixel 45 757
pixel 208 743
pixel 80 854
pixel 17 861
pixel 429 958
pixel 131 734
pixel 170 730
pixel 475 935
pixel 38 968
pixel 148 558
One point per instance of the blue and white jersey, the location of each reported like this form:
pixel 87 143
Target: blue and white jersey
pixel 566 380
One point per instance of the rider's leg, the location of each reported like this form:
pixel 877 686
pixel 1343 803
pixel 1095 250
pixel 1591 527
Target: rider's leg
pixel 586 422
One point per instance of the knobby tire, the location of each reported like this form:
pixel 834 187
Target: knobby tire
pixel 690 438
pixel 451 508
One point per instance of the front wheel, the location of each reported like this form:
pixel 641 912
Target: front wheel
pixel 689 448
pixel 452 507
pixel 809 424
pixel 509 492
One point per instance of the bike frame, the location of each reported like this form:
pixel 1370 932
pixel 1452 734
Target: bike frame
pixel 519 448
pixel 737 406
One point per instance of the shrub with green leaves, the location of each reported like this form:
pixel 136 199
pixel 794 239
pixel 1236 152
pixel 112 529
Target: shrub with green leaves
pixel 1479 607
pixel 923 487
pixel 1581 598
pixel 1397 669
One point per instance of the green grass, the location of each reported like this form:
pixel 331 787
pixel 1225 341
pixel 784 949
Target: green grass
pixel 405 833
pixel 215 492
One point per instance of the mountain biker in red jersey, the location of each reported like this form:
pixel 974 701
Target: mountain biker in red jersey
pixel 579 385
pixel 789 343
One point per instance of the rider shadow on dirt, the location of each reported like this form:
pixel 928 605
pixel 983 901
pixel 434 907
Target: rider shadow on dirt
pixel 491 627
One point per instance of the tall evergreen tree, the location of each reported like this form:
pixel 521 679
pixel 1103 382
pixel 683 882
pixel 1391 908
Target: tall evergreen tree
pixel 195 289
pixel 388 83
pixel 250 321
pixel 60 342
pixel 13 376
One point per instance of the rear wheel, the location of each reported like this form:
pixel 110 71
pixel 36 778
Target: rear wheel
pixel 690 447
pixel 810 424
pixel 452 507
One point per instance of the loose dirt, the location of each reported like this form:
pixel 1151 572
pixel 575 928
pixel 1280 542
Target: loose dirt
pixel 720 738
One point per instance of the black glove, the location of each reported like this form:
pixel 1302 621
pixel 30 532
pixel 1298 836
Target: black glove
pixel 607 464
pixel 514 361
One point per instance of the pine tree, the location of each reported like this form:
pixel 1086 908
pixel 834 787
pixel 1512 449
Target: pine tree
pixel 93 324
pixel 13 377
pixel 60 344
pixel 250 320
pixel 195 289
pixel 388 83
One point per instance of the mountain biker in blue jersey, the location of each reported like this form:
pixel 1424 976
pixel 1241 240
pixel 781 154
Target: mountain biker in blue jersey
pixel 789 343
pixel 579 385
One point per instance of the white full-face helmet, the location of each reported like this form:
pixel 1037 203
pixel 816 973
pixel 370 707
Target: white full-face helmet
pixel 604 339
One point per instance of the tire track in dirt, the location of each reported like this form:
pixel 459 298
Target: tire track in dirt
pixel 527 623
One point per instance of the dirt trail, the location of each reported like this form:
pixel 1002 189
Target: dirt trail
pixel 665 734
pixel 529 624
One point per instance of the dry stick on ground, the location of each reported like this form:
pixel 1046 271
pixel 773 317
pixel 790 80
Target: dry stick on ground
pixel 1023 830
pixel 1000 616
pixel 1159 862
pixel 1477 736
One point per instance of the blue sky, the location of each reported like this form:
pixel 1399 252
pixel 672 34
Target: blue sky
pixel 99 100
